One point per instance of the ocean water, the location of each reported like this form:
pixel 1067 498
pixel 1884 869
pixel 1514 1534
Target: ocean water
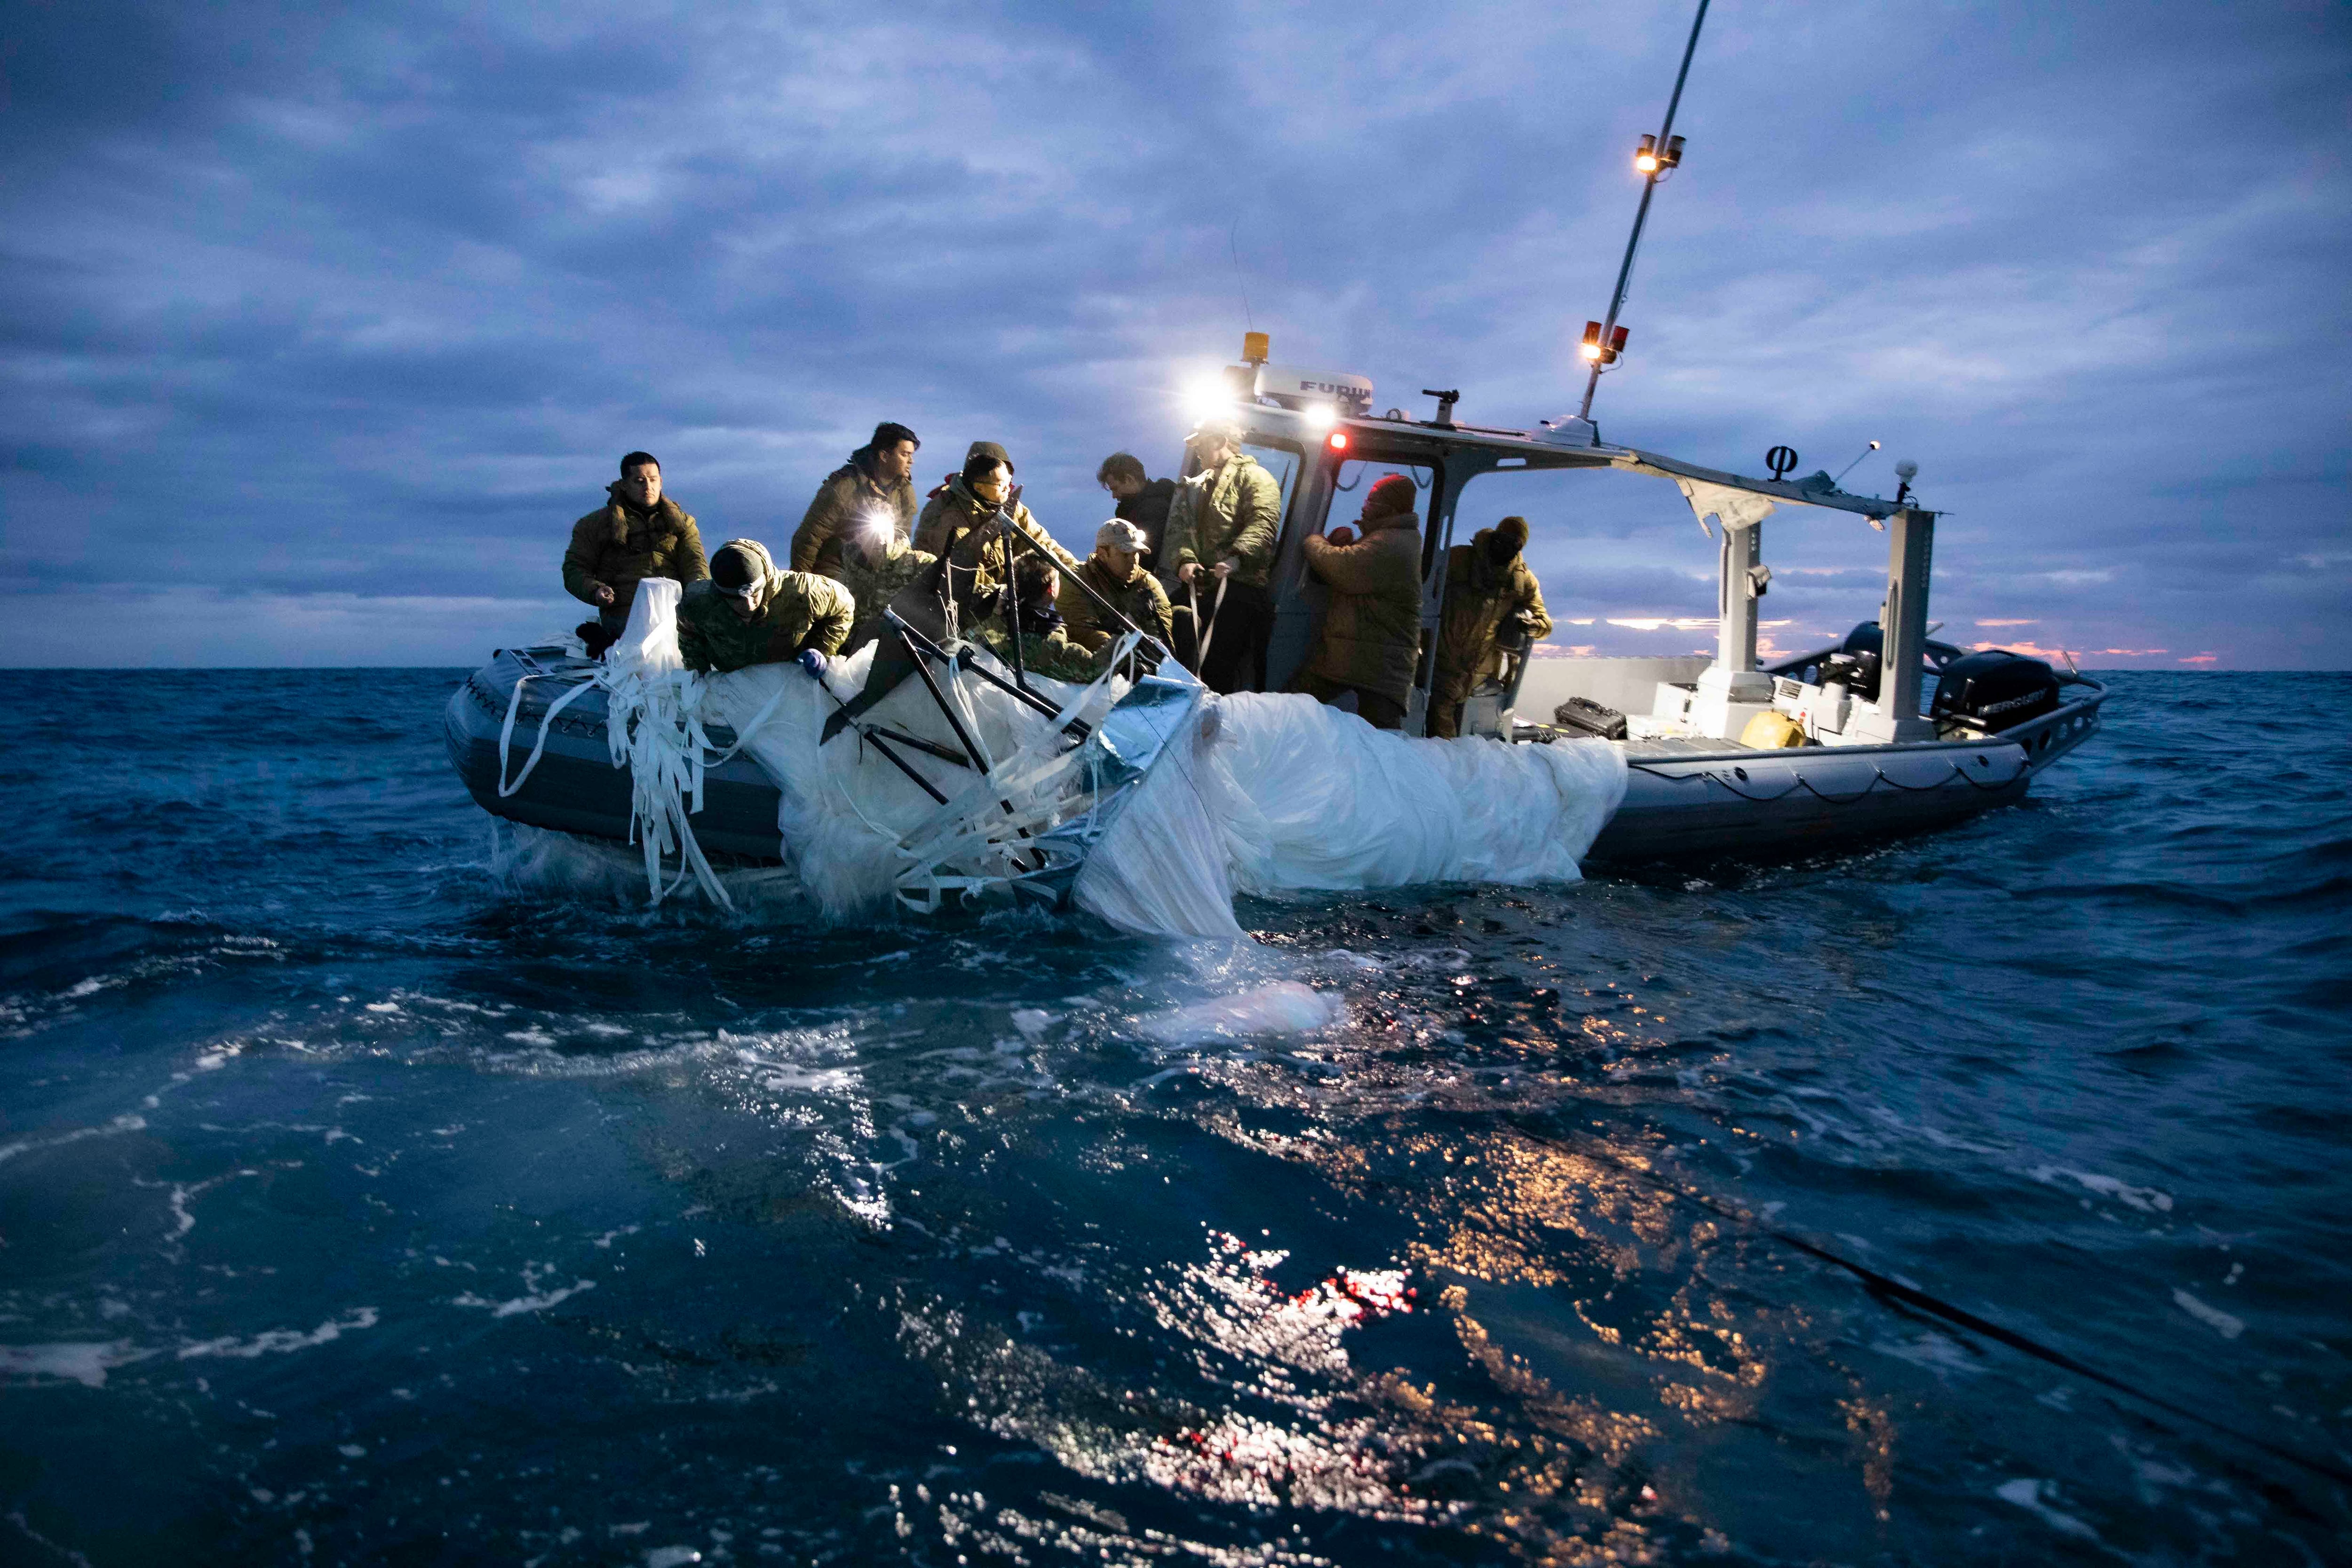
pixel 376 1188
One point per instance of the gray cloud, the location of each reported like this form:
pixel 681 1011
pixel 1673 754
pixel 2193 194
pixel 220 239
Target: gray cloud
pixel 315 332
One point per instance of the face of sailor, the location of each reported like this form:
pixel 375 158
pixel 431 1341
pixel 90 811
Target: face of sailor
pixel 990 487
pixel 642 485
pixel 893 464
pixel 745 608
pixel 1214 449
pixel 1119 563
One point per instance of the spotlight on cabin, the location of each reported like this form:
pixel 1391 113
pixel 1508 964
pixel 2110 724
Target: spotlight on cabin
pixel 1207 397
pixel 1591 348
pixel 1319 415
pixel 1673 156
pixel 1646 157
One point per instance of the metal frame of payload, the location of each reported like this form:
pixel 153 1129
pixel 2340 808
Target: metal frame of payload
pixel 1018 821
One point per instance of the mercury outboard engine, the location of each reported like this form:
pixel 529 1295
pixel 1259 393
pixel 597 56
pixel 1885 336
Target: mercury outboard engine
pixel 1993 691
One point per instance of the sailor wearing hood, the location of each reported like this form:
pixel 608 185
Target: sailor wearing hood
pixel 638 533
pixel 958 522
pixel 749 612
pixel 1371 629
pixel 1222 528
pixel 1491 601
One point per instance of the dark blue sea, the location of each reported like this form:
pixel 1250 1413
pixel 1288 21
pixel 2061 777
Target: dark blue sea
pixel 369 1197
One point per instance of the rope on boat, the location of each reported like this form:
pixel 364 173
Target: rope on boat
pixel 1878 777
pixel 654 728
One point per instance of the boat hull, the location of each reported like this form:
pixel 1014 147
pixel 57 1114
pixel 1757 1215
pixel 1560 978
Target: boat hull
pixel 1684 803
pixel 1680 803
pixel 575 787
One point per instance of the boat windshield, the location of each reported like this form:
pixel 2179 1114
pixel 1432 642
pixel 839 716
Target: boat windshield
pixel 1354 482
pixel 1283 463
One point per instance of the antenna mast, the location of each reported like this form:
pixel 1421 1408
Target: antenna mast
pixel 1604 341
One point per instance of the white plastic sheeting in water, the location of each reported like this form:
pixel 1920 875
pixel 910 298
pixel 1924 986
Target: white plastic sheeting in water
pixel 1263 794
pixel 859 831
pixel 1282 794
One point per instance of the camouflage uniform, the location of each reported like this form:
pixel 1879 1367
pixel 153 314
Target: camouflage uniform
pixel 1141 599
pixel 875 584
pixel 1050 655
pixel 1232 513
pixel 618 546
pixel 954 510
pixel 797 609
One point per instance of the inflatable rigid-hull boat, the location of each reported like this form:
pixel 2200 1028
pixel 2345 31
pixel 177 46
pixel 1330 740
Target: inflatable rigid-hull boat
pixel 1684 798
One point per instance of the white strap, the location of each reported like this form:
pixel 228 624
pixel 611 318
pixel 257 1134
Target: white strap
pixel 1201 652
pixel 506 733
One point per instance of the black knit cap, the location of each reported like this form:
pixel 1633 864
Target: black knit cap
pixel 734 569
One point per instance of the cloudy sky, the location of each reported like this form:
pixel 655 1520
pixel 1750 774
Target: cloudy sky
pixel 319 326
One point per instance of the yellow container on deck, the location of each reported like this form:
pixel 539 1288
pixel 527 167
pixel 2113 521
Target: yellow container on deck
pixel 1772 732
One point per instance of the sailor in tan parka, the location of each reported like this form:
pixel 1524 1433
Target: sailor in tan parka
pixel 1222 525
pixel 638 533
pixel 959 522
pixel 1370 639
pixel 1492 600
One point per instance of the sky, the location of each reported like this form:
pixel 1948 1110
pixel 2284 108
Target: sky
pixel 319 326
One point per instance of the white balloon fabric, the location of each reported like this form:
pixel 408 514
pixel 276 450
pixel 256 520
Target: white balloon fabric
pixel 1265 794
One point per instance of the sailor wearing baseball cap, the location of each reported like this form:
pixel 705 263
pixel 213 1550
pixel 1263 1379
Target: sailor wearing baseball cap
pixel 1116 571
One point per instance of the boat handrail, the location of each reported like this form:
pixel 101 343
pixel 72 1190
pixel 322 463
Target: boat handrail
pixel 2015 736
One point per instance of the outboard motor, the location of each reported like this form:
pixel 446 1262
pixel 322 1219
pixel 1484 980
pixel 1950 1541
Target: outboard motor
pixel 1993 691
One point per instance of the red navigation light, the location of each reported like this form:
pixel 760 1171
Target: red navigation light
pixel 1338 440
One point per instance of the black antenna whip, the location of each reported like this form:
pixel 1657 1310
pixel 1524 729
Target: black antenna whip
pixel 1658 154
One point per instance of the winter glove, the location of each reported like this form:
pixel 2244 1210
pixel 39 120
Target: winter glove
pixel 813 662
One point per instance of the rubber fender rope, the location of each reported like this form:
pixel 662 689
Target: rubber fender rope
pixel 1878 777
pixel 1934 1306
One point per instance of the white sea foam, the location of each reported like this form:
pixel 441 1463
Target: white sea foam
pixel 2214 1318
pixel 534 1298
pixel 2027 1494
pixel 533 1302
pixel 2146 1199
pixel 278 1341
pixel 85 1363
pixel 1284 1006
pixel 27 1146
